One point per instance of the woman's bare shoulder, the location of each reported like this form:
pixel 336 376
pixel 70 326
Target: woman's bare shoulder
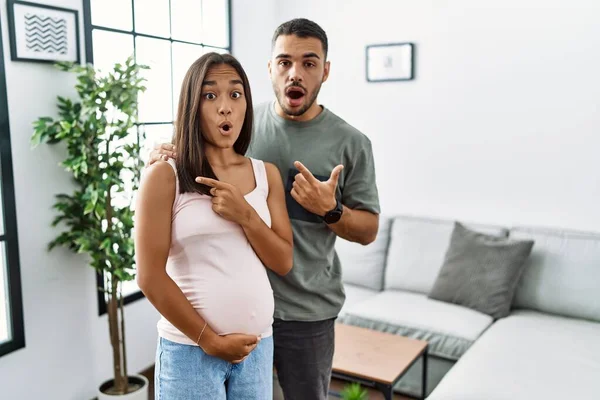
pixel 271 169
pixel 159 176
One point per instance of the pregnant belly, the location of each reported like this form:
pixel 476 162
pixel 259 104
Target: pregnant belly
pixel 239 313
pixel 245 307
pixel 231 290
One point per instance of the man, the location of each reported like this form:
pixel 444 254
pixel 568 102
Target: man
pixel 327 166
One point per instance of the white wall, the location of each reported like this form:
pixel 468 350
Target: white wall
pixel 253 24
pixel 67 351
pixel 501 123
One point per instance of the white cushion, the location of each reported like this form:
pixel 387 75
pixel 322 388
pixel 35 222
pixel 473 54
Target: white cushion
pixel 417 250
pixel 450 329
pixel 364 265
pixel 355 295
pixel 526 356
pixel 562 274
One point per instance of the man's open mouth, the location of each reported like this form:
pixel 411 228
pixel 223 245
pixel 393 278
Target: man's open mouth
pixel 295 95
pixel 294 92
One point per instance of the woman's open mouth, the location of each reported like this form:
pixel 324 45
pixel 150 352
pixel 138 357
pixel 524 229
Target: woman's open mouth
pixel 295 96
pixel 225 128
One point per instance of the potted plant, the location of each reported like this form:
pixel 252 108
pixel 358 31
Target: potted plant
pixel 97 216
pixel 354 391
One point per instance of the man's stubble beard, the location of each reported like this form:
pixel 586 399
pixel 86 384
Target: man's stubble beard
pixel 281 100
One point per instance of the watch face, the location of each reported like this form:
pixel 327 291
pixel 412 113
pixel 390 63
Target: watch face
pixel 333 217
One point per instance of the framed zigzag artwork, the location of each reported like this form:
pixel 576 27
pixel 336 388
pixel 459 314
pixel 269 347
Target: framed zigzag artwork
pixel 42 33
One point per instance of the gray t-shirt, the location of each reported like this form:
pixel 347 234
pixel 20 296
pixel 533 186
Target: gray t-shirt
pixel 313 289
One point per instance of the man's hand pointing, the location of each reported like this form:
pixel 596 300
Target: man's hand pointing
pixel 312 194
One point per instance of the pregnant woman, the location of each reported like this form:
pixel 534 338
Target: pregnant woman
pixel 206 227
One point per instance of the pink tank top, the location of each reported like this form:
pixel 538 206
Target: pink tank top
pixel 215 266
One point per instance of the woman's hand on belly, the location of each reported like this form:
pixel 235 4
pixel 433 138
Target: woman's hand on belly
pixel 233 348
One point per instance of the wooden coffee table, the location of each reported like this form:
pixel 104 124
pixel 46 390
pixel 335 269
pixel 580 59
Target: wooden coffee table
pixel 376 359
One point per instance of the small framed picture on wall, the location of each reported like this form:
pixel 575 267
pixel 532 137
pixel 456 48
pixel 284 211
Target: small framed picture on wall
pixel 42 33
pixel 390 62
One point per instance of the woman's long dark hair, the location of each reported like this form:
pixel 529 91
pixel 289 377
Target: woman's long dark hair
pixel 189 142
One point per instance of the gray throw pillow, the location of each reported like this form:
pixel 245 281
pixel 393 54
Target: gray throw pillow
pixel 481 271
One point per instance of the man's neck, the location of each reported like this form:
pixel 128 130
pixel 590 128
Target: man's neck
pixel 312 113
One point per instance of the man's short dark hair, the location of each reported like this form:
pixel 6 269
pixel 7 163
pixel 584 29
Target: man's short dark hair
pixel 303 28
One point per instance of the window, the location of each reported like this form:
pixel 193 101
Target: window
pixel 12 336
pixel 166 35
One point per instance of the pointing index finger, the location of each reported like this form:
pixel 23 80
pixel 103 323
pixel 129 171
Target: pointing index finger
pixel 305 172
pixel 211 182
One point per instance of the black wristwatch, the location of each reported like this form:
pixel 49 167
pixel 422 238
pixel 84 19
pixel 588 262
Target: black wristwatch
pixel 334 215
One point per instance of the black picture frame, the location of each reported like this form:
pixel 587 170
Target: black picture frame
pixel 54 35
pixel 384 56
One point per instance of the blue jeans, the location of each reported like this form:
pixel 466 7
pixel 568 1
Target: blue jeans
pixel 185 372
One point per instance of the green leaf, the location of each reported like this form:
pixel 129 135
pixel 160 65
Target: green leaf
pixel 89 207
pixel 36 139
pixel 354 391
pixel 99 211
pixel 65 125
pixel 105 244
pixel 94 197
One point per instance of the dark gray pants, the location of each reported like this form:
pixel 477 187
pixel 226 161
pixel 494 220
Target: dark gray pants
pixel 303 357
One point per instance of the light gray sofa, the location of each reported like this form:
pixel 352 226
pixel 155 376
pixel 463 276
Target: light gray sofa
pixel 547 348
